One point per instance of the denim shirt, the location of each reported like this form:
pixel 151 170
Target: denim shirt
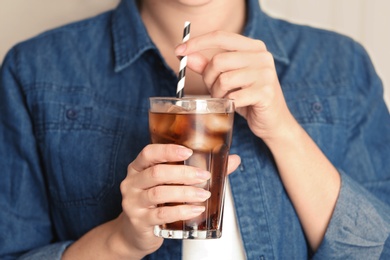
pixel 74 114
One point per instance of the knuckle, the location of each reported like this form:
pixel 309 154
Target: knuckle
pixel 147 151
pixel 161 213
pixel 269 92
pixel 268 57
pixel 126 186
pixel 268 74
pixel 217 33
pixel 261 45
pixel 128 195
pixel 123 187
pixel 224 80
pixel 154 172
pixel 155 195
pixel 217 61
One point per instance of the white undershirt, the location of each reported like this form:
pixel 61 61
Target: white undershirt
pixel 229 246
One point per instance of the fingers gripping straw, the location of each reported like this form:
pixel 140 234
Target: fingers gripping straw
pixel 183 63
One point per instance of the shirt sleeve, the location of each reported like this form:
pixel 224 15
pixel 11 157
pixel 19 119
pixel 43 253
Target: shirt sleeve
pixel 25 222
pixel 360 225
pixel 52 251
pixel 386 250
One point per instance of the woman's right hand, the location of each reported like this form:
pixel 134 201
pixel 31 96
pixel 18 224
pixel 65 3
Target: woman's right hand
pixel 149 182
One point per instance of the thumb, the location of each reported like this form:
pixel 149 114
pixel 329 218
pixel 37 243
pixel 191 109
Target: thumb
pixel 233 163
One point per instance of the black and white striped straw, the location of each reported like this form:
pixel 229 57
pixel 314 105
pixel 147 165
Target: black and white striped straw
pixel 183 63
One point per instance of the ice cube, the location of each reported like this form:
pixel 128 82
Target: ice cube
pixel 218 123
pixel 201 141
pixel 199 159
pixel 180 125
pixel 160 124
pixel 175 109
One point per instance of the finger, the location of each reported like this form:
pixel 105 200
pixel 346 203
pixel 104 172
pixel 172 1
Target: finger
pixel 232 81
pixel 233 163
pixel 235 80
pixel 220 40
pixel 220 62
pixel 163 215
pixel 223 62
pixel 169 174
pixel 171 194
pixel 229 61
pixel 262 91
pixel 197 62
pixel 159 153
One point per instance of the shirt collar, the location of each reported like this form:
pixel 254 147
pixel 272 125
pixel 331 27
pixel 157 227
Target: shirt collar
pixel 131 40
pixel 260 26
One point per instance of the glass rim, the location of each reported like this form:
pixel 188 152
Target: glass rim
pixel 192 104
pixel 194 98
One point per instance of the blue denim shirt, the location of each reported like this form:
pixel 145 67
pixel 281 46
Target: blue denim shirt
pixel 74 109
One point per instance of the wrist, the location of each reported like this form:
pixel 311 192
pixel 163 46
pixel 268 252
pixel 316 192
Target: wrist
pixel 287 132
pixel 103 242
pixel 119 245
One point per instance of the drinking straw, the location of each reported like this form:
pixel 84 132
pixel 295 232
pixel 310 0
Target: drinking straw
pixel 183 63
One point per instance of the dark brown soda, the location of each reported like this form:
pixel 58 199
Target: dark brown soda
pixel 208 135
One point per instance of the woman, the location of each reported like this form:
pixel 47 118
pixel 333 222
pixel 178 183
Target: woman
pixel 311 130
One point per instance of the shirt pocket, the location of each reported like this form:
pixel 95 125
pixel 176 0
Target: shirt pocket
pixel 326 120
pixel 79 143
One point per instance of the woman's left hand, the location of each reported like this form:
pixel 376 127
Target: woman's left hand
pixel 242 70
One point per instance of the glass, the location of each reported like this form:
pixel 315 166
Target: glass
pixel 204 125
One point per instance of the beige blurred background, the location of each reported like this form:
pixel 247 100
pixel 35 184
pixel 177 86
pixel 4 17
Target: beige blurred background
pixel 367 21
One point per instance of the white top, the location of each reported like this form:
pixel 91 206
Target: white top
pixel 229 246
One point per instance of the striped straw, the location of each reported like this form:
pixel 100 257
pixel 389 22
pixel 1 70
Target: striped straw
pixel 183 63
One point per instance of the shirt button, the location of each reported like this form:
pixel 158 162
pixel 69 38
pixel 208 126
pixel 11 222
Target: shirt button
pixel 71 114
pixel 317 107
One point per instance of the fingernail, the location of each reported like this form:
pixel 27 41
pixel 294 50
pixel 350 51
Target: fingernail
pixel 181 48
pixel 203 194
pixel 202 174
pixel 184 152
pixel 198 209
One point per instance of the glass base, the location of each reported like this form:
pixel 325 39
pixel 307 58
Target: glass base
pixel 187 234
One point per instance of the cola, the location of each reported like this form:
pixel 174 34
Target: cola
pixel 205 128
